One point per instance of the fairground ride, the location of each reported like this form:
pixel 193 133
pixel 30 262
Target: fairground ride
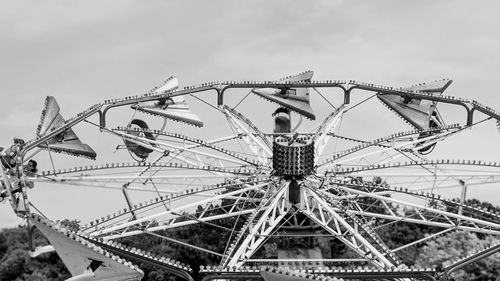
pixel 294 181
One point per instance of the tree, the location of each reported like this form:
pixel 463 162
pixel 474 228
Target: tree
pixel 444 250
pixel 12 265
pixel 16 264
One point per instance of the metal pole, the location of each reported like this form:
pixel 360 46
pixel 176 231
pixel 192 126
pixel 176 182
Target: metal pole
pixel 462 196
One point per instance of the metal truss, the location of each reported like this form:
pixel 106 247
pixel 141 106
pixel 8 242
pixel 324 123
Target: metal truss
pixel 393 143
pixel 175 150
pixel 259 147
pixel 342 227
pixel 258 227
pixel 156 221
pixel 198 181
pixel 424 214
pixel 322 135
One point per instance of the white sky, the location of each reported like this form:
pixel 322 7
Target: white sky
pixel 83 52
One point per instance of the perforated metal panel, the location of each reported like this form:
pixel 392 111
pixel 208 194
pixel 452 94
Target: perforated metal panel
pixel 293 155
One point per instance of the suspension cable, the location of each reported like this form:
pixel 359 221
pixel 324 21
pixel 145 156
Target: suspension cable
pixel 319 93
pixel 242 99
pixel 360 102
pixel 205 102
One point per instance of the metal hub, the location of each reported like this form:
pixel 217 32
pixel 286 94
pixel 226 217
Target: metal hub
pixel 293 155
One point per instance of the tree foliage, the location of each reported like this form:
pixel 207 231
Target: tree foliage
pixel 445 250
pixel 15 263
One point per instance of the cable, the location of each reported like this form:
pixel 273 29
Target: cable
pixel 360 103
pixel 324 98
pixel 206 103
pixel 51 160
pixel 38 210
pixel 242 99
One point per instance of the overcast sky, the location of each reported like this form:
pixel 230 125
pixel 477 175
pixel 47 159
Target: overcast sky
pixel 83 52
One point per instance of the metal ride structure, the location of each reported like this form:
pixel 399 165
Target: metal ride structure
pixel 296 184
